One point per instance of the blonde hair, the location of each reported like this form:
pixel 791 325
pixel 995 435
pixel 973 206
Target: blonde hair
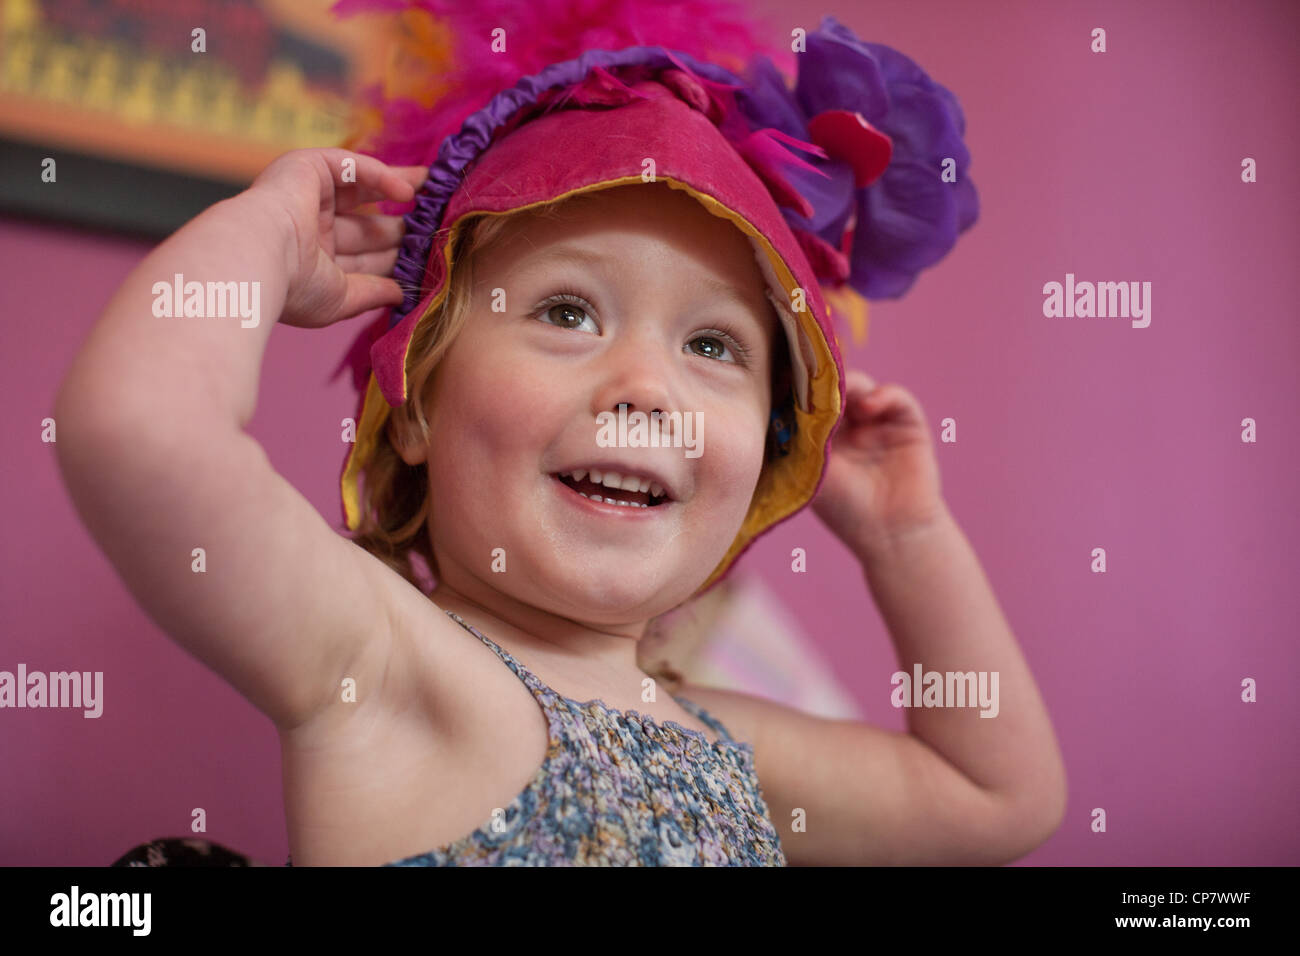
pixel 395 496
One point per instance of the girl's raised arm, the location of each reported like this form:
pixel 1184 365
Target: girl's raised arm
pixel 225 555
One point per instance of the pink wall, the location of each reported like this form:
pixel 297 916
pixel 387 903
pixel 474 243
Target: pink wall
pixel 1074 434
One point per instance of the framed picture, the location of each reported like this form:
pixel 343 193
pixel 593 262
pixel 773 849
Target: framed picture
pixel 137 114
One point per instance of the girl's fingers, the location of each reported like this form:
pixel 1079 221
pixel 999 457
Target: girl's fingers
pixel 415 175
pixel 366 292
pixel 376 264
pixel 360 179
pixel 354 234
pixel 897 404
pixel 855 381
pixel 862 409
pixel 884 402
pixel 858 386
pixel 351 197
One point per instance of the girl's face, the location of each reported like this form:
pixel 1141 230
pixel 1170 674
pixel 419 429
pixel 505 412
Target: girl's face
pixel 639 297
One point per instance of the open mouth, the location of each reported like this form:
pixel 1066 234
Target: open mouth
pixel 623 497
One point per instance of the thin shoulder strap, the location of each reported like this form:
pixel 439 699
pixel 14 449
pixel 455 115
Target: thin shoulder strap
pixel 522 672
pixel 705 716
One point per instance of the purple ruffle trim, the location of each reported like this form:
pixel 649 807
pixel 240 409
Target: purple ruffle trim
pixel 460 149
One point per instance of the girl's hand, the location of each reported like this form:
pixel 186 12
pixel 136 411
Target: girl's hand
pixel 882 481
pixel 340 260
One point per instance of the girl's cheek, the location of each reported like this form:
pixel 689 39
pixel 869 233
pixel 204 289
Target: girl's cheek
pixel 736 439
pixel 731 464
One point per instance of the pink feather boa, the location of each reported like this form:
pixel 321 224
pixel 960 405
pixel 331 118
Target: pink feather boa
pixel 538 34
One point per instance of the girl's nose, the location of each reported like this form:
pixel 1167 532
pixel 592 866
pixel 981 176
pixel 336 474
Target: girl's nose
pixel 636 374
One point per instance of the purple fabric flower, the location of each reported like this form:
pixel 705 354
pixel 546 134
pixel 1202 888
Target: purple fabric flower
pixel 906 219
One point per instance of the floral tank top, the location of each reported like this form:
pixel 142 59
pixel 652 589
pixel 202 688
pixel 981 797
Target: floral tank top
pixel 619 789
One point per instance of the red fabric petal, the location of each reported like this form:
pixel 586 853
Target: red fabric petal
pixel 848 137
pixel 830 265
pixel 357 357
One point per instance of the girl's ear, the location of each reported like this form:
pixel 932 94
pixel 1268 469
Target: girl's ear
pixel 405 438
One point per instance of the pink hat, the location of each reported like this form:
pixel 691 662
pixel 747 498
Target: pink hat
pixel 718 139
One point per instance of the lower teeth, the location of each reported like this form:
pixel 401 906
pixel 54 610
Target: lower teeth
pixel 613 501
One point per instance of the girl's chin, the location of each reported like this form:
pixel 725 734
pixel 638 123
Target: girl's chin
pixel 607 590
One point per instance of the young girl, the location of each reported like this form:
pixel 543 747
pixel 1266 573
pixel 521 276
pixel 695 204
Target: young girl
pixel 545 286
